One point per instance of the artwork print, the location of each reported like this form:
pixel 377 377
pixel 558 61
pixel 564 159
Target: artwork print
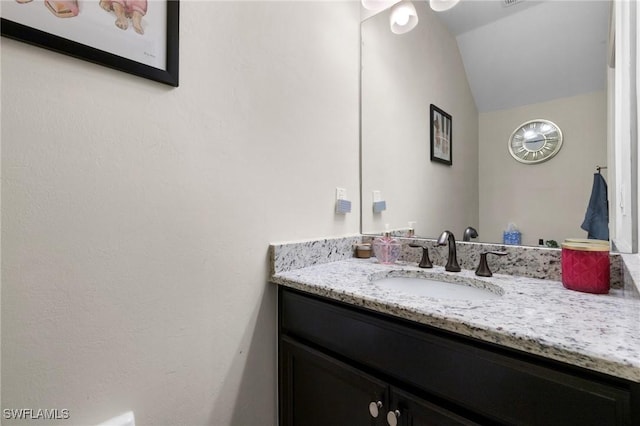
pixel 441 131
pixel 135 36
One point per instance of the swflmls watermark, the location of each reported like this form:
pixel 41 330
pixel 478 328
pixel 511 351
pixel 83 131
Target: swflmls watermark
pixel 35 414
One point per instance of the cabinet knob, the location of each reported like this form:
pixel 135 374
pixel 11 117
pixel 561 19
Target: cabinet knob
pixel 374 408
pixel 392 417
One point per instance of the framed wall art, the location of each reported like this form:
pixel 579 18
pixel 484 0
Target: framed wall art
pixel 139 37
pixel 441 131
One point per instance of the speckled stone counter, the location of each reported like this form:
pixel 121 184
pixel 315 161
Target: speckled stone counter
pixel 598 332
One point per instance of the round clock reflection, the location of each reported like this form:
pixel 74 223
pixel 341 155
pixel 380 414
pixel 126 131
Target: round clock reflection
pixel 535 141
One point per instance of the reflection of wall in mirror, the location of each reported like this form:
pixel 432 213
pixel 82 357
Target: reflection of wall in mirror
pixel 401 78
pixel 485 188
pixel 547 200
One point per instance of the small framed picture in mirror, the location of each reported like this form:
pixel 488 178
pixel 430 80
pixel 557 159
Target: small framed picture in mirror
pixel 441 131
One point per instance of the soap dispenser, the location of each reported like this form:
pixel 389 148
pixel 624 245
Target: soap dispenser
pixel 386 248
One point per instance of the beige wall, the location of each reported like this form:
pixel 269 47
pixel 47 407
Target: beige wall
pixel 546 200
pixel 401 76
pixel 136 217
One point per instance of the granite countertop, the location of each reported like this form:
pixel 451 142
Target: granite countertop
pixel 597 332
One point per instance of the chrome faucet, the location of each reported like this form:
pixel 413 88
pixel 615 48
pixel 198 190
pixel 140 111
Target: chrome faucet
pixel 469 233
pixel 452 261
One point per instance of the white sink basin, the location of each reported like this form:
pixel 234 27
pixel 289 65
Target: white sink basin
pixel 435 289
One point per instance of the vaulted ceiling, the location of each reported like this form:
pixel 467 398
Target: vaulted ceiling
pixel 532 51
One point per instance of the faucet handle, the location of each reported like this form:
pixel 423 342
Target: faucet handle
pixel 483 268
pixel 425 262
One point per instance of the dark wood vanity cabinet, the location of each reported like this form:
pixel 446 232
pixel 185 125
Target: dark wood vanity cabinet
pixel 318 390
pixel 322 390
pixel 341 365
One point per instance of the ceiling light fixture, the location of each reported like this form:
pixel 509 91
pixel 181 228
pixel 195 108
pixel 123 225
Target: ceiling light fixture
pixel 442 5
pixel 403 17
pixel 377 5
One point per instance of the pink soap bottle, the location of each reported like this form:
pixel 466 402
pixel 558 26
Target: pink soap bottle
pixel 386 248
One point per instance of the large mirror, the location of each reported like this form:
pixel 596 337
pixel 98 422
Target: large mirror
pixel 492 68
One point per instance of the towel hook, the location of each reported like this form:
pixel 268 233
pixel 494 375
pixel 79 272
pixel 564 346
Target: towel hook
pixel 598 168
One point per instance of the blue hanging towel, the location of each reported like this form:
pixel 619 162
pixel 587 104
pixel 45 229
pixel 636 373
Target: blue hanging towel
pixel 596 219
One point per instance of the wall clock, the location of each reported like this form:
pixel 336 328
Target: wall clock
pixel 535 141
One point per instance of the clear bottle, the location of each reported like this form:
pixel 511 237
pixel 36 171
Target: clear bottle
pixel 412 230
pixel 386 248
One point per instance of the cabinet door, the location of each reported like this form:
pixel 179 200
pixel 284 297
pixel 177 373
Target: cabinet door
pixel 410 410
pixel 497 385
pixel 317 390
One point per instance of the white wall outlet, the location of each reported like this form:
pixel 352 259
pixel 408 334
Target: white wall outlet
pixel 341 194
pixel 377 196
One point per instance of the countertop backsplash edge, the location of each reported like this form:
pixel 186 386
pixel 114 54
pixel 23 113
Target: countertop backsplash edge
pixel 287 256
pixel 532 262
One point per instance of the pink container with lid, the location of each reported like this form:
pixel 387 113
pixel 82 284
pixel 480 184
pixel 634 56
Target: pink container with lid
pixel 585 265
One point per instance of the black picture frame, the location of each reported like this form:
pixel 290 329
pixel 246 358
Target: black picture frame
pixel 40 38
pixel 441 136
